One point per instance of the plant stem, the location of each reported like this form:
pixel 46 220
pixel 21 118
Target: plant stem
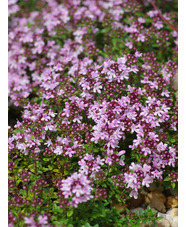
pixel 163 18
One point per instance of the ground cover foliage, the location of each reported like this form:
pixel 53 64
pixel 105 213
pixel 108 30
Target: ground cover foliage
pixel 92 107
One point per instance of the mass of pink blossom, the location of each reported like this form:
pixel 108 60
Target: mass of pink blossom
pixel 89 110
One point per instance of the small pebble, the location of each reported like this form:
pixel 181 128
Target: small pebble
pixel 175 222
pixel 171 202
pixel 156 200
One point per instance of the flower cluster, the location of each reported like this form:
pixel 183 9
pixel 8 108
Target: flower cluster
pixel 41 222
pixel 77 186
pixel 93 83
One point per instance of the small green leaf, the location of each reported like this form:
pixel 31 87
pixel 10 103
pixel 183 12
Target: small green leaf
pixel 30 166
pixel 167 178
pixel 149 222
pixel 70 213
pixel 56 208
pixel 155 45
pixel 32 136
pixel 173 185
pixel 23 192
pixel 18 181
pixel 50 167
pixel 45 169
pixel 56 170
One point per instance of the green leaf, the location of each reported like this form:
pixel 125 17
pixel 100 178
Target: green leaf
pixel 155 45
pixel 44 169
pixel 173 185
pixel 148 20
pixel 167 178
pixel 149 222
pixel 87 225
pixel 18 181
pixel 50 167
pixel 105 30
pixel 30 166
pixel 23 192
pixel 17 160
pixel 56 208
pixel 56 170
pixel 70 213
pixel 32 137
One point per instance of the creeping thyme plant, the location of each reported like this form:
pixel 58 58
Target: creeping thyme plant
pixel 91 89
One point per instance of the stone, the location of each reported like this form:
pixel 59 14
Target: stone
pixel 119 206
pixel 153 187
pixel 133 203
pixel 171 216
pixel 175 222
pixel 136 210
pixel 166 216
pixel 156 200
pixel 173 192
pixel 173 212
pixel 172 202
pixel 163 223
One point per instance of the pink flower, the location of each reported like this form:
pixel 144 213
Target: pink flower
pixel 152 13
pixel 77 187
pixel 161 147
pixel 147 180
pixel 97 87
pixel 146 151
pixel 58 150
pixel 129 44
pixel 37 150
pixel 159 24
pixel 141 20
pixel 131 180
pixel 141 38
pixel 146 168
pixel 134 193
pixel 30 221
pixel 43 219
